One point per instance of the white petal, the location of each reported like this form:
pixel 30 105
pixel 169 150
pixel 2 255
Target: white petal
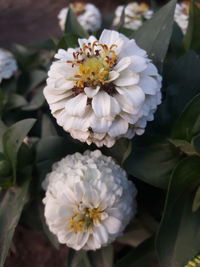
pixel 112 224
pixel 130 48
pixel 100 125
pixel 138 64
pixel 122 64
pixel 51 98
pixel 118 127
pixel 148 85
pixel 113 75
pixel 76 106
pixel 114 106
pixel 108 37
pixel 127 78
pixel 101 234
pixel 91 92
pixel 101 104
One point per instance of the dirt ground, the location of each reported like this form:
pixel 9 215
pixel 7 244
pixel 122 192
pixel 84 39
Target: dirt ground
pixel 29 21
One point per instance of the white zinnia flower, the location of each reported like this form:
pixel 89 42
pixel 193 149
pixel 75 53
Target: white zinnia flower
pixel 8 64
pixel 88 201
pixel 87 14
pixel 181 15
pixel 106 89
pixel 135 15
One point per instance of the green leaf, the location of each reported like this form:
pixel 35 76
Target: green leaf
pixel 188 124
pixel 178 238
pixel 68 40
pixel 181 83
pixel 48 128
pixel 26 59
pixel 15 101
pixel 12 140
pixel 152 160
pixel 73 26
pixel 11 207
pixel 52 149
pixel 31 80
pixel 192 36
pixel 120 151
pixel 52 238
pixel 196 143
pixel 102 257
pixel 184 146
pixel 47 45
pixel 136 253
pixel 2 131
pixel 36 102
pixel 196 202
pixel 154 36
pixel 80 259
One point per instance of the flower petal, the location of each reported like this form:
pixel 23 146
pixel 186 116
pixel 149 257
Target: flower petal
pixel 122 64
pixel 101 104
pixel 113 75
pixel 118 127
pixel 127 78
pixel 91 92
pixel 112 224
pixel 138 63
pixel 76 106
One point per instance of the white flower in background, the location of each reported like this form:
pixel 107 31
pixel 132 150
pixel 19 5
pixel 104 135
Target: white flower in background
pixel 104 90
pixel 8 64
pixel 87 14
pixel 135 15
pixel 181 15
pixel 89 200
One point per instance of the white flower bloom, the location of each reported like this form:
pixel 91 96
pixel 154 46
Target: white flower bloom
pixel 181 15
pixel 8 64
pixel 87 14
pixel 88 201
pixel 135 15
pixel 104 90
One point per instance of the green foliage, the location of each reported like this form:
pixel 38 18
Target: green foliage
pixel 196 202
pixel 11 206
pixel 154 36
pixel 192 36
pixel 188 124
pixel 12 140
pixel 72 25
pixel 178 238
pixel 152 160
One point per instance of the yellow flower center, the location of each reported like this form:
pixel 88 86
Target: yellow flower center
pixel 82 221
pixel 93 61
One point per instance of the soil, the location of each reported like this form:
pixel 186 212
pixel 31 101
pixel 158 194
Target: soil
pixel 32 249
pixel 31 21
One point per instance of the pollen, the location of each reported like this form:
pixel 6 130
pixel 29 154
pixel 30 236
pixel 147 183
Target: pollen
pixel 93 62
pixel 83 221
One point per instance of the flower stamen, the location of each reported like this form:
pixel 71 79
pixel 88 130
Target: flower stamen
pixel 84 221
pixel 93 65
